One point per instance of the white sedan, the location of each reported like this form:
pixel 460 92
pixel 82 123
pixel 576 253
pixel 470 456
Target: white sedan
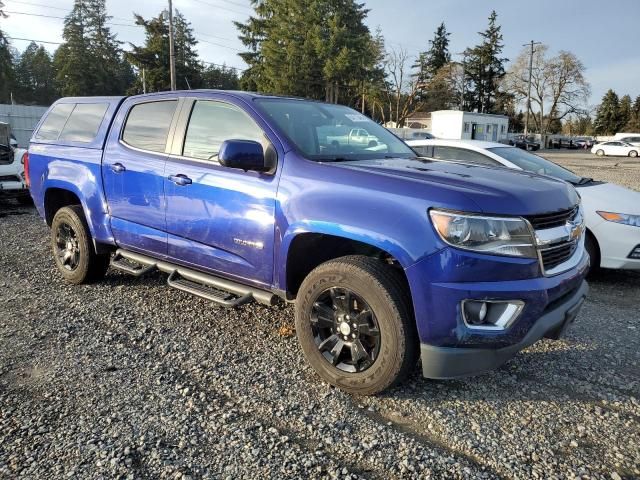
pixel 612 212
pixel 616 148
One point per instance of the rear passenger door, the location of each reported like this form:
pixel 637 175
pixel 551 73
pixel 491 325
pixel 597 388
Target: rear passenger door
pixel 218 218
pixel 133 172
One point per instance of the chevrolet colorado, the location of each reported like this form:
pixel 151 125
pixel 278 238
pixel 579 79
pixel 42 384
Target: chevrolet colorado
pixel 387 256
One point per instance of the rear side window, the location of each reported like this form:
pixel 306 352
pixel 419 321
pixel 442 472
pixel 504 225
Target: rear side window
pixel 212 123
pixel 462 155
pixel 84 122
pixel 148 125
pixel 55 121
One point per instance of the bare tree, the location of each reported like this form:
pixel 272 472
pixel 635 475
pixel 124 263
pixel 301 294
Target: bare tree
pixel 558 85
pixel 401 89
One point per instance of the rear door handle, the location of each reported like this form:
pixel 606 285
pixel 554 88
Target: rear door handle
pixel 118 167
pixel 180 179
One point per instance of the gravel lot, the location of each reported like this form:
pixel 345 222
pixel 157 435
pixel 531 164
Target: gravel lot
pixel 130 379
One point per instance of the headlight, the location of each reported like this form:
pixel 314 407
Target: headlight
pixel 633 220
pixel 485 234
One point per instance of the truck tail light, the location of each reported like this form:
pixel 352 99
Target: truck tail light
pixel 25 162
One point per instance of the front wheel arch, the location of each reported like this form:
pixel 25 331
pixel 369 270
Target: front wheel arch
pixel 593 249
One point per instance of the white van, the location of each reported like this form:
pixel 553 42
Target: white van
pixel 632 138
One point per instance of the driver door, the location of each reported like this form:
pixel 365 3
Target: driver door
pixel 218 218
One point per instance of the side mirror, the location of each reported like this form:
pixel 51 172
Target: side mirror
pixel 246 155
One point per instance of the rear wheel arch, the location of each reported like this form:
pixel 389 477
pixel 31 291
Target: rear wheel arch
pixel 56 198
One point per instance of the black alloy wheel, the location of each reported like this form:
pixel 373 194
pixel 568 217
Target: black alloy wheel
pixel 68 249
pixel 345 330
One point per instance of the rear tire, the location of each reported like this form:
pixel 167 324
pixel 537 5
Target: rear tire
pixel 72 248
pixel 359 302
pixel 600 153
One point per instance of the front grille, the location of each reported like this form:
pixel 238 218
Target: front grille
pixel 10 178
pixel 551 220
pixel 6 156
pixel 557 254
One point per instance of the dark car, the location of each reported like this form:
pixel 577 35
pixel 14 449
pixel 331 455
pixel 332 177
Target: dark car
pixel 525 143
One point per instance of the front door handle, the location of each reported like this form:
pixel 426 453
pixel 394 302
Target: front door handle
pixel 118 167
pixel 180 179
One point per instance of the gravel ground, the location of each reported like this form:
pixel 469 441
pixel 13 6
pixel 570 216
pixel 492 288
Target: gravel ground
pixel 621 170
pixel 130 379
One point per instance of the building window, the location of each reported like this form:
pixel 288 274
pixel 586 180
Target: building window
pixel 488 128
pixel 501 128
pixel 466 127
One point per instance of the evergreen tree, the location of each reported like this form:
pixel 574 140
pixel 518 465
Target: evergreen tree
pixel 608 115
pixel 437 56
pixel 624 112
pixel 316 49
pixel 222 78
pixel 188 67
pixel 7 76
pixel 35 76
pixel 90 61
pixel 485 68
pixel 153 56
pixel 633 125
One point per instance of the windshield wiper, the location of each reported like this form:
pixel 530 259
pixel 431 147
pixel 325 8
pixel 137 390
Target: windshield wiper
pixel 585 180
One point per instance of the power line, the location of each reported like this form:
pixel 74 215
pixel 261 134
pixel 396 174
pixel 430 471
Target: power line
pixel 34 40
pixel 220 6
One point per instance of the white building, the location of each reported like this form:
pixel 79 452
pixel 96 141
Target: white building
pixel 458 125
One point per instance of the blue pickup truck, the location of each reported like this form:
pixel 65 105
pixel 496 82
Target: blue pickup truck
pixel 240 197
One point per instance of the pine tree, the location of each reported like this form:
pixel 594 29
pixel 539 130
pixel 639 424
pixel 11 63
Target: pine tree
pixel 437 56
pixel 317 49
pixel 485 68
pixel 607 117
pixel 624 112
pixel 188 67
pixel 72 59
pixel 633 125
pixel 7 75
pixel 153 56
pixel 220 77
pixel 90 61
pixel 35 76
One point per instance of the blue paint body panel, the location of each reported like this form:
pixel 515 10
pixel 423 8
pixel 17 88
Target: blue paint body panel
pixel 241 225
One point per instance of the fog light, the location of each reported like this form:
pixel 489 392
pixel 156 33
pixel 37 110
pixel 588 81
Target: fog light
pixel 635 253
pixel 491 314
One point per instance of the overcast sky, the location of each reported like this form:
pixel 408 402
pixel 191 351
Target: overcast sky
pixel 604 35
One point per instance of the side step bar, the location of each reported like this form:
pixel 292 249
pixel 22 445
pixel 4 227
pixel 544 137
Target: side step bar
pixel 221 291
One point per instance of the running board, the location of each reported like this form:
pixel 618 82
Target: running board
pixel 219 290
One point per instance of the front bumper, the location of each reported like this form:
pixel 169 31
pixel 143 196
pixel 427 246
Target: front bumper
pixel 452 362
pixel 13 188
pixel 441 282
pixel 616 241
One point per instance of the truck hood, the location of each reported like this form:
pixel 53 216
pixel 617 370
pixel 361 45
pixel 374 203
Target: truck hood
pixel 493 190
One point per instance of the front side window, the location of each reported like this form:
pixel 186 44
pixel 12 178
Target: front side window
pixel 212 123
pixel 148 125
pixel 424 151
pixel 84 122
pixel 55 121
pixel 326 132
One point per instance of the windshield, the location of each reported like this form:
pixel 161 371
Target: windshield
pixel 326 132
pixel 533 163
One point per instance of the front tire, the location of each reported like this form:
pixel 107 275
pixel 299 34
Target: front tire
pixel 593 251
pixel 600 153
pixel 633 154
pixel 355 325
pixel 72 247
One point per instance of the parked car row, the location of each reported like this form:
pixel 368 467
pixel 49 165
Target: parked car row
pixel 612 212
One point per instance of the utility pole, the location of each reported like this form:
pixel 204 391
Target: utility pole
pixel 464 73
pixel 144 82
pixel 172 53
pixel 526 118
